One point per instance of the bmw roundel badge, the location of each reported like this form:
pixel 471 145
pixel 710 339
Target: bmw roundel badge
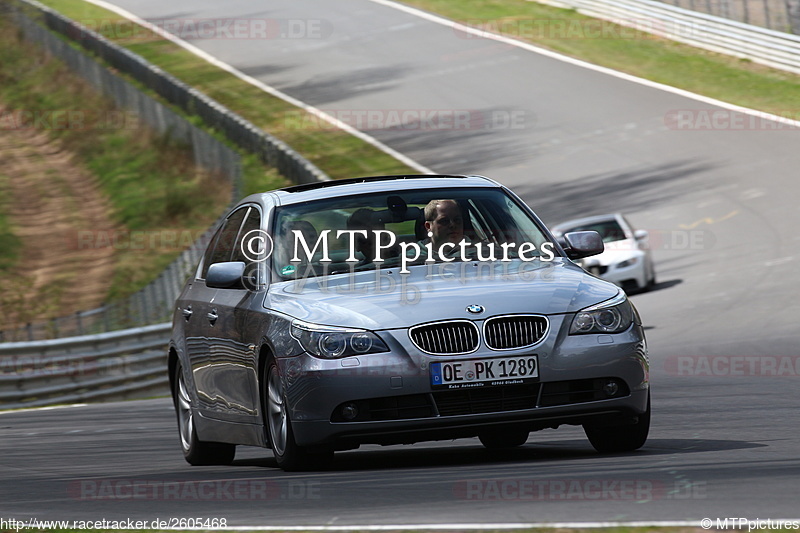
pixel 475 309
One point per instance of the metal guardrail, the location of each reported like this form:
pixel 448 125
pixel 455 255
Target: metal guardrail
pixel 152 303
pixel 778 15
pixel 108 366
pixel 767 47
pixel 270 150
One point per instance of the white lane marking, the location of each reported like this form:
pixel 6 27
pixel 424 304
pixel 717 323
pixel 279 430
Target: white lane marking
pixel 752 194
pixel 48 408
pixel 266 88
pixel 400 27
pixel 458 27
pixel 776 262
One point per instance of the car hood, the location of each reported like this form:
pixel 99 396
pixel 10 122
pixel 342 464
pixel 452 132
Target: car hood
pixel 385 299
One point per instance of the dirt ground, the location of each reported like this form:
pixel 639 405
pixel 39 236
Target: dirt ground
pixel 52 200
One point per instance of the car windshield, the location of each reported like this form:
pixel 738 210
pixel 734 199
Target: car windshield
pixel 609 230
pixel 384 230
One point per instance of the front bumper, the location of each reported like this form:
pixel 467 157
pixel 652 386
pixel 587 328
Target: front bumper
pixel 402 407
pixel 621 276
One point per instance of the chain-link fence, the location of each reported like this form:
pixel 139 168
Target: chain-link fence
pixel 152 304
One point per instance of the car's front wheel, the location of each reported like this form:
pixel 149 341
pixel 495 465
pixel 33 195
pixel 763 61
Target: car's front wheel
pixel 288 454
pixel 651 280
pixel 195 451
pixel 621 438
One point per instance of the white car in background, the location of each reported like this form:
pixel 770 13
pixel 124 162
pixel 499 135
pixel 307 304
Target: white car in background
pixel 626 261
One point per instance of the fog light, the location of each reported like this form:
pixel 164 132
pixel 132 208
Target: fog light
pixel 349 411
pixel 611 388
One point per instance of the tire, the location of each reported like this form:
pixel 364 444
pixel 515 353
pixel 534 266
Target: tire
pixel 504 439
pixel 289 456
pixel 195 451
pixel 623 438
pixel 652 281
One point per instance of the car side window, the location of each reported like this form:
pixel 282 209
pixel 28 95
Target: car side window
pixel 249 230
pixel 222 246
pixel 210 251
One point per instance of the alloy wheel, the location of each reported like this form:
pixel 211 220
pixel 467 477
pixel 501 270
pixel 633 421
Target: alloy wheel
pixel 185 419
pixel 276 412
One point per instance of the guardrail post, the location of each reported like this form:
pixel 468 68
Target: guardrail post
pixel 793 9
pixel 106 317
pixel 142 307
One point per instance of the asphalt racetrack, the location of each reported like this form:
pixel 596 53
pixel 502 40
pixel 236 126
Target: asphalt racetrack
pixel 718 197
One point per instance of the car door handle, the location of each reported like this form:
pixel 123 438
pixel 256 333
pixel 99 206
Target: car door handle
pixel 212 316
pixel 187 312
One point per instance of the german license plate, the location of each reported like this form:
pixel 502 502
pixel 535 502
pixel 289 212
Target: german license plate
pixel 485 372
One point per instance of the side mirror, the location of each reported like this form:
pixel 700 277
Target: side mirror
pixel 640 234
pixel 583 244
pixel 225 275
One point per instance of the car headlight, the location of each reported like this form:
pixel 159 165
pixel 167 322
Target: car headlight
pixel 329 342
pixel 612 316
pixel 628 262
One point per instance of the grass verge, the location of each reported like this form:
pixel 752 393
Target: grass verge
pixel 151 183
pixel 9 243
pixel 719 76
pixel 337 153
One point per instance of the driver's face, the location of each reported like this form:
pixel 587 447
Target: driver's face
pixel 448 226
